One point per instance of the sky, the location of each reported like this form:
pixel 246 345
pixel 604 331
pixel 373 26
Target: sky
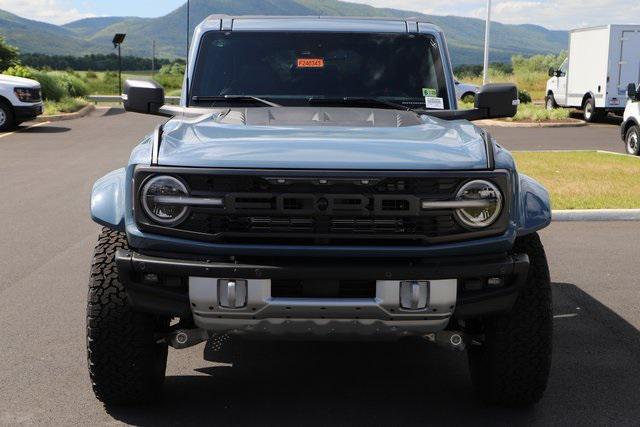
pixel 559 14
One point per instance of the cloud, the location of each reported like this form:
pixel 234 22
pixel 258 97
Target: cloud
pixel 555 14
pixel 52 11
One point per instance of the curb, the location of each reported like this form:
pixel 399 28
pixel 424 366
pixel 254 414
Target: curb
pixel 596 215
pixel 574 123
pixel 67 116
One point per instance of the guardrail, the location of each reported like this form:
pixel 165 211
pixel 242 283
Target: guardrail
pixel 174 100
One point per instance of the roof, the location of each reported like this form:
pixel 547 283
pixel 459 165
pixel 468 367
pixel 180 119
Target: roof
pixel 315 23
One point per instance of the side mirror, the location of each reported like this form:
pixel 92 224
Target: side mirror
pixel 143 96
pixel 632 92
pixel 498 101
pixel 552 72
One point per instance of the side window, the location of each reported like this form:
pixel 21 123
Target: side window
pixel 563 68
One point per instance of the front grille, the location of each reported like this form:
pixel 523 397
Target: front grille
pixel 421 226
pixel 322 209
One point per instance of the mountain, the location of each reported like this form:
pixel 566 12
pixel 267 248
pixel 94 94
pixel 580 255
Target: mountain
pixel 93 35
pixel 89 26
pixel 34 36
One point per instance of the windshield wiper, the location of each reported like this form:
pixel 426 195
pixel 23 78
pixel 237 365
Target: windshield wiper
pixel 241 98
pixel 359 101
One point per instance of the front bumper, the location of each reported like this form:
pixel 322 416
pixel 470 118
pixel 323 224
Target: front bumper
pixel 189 288
pixel 25 113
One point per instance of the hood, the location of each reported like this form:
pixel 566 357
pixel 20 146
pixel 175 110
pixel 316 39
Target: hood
pixel 323 138
pixel 18 81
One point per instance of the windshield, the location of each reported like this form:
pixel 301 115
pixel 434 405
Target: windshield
pixel 293 67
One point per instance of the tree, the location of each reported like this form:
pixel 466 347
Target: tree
pixel 8 55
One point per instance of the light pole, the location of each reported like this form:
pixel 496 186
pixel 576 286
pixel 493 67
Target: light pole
pixel 153 60
pixel 117 43
pixel 487 36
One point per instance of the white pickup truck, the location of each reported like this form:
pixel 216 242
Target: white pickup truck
pixel 20 101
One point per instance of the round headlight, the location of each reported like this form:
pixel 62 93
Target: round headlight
pixel 157 196
pixel 485 204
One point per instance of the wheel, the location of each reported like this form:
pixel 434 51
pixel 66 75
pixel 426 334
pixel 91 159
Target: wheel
pixel 550 102
pixel 591 113
pixel 632 140
pixel 127 364
pixel 7 118
pixel 511 364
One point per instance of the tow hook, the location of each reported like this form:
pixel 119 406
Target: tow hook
pixel 185 338
pixel 454 340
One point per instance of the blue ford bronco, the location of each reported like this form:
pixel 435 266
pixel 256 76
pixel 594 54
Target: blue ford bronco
pixel 317 181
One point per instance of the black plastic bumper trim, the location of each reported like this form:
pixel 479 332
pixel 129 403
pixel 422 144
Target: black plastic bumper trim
pixel 26 113
pixel 153 299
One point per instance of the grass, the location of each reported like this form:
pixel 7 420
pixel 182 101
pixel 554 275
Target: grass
pixel 65 105
pixel 531 113
pixel 585 180
pixel 106 83
pixel 538 113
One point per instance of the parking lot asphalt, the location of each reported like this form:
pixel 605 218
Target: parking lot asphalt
pixel 46 243
pixel 604 137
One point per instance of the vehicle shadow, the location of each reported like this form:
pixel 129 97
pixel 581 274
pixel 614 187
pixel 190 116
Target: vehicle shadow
pixel 609 119
pixel 113 111
pixel 595 379
pixel 43 129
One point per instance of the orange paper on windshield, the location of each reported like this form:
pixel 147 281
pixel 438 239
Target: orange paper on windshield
pixel 310 63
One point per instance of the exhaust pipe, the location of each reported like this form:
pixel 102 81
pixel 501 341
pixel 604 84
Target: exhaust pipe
pixel 185 338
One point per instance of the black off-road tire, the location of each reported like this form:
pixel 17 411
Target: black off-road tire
pixel 7 118
pixel 127 364
pixel 511 366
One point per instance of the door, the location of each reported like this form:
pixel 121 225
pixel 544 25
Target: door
pixel 560 92
pixel 629 65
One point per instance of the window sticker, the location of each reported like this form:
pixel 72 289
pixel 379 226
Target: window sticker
pixel 310 63
pixel 434 103
pixel 427 91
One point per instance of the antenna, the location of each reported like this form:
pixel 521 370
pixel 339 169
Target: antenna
pixel 186 68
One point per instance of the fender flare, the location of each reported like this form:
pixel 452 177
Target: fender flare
pixel 108 200
pixel 534 206
pixel 587 96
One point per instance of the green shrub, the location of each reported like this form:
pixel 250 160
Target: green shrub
pixel 177 68
pixel 8 55
pixel 524 97
pixel 537 63
pixel 171 75
pixel 73 85
pixel 53 89
pixel 65 105
pixel 169 81
pixel 538 113
pixel 91 75
pixel 19 71
pixel 110 78
pixel 468 99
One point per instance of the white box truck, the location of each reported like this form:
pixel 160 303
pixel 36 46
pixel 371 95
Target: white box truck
pixel 601 63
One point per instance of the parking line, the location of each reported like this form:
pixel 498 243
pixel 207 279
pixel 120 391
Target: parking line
pixel 22 129
pixel 565 316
